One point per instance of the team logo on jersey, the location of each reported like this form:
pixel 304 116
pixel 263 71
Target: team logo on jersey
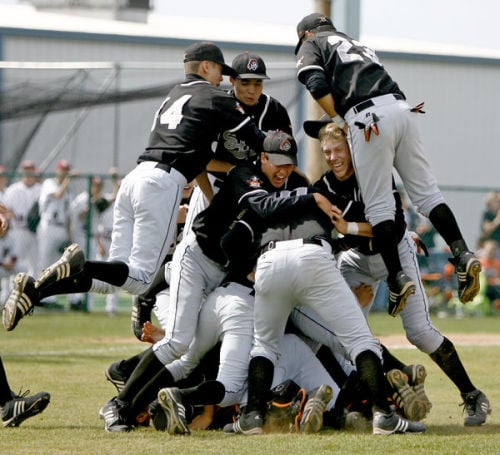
pixel 239 108
pixel 255 182
pixel 252 64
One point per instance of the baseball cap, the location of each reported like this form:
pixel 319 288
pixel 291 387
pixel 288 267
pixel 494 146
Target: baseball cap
pixel 312 22
pixel 249 66
pixel 280 148
pixel 207 51
pixel 63 164
pixel 312 127
pixel 28 164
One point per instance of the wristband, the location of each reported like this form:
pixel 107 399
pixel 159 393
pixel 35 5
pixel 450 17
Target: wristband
pixel 352 228
pixel 339 121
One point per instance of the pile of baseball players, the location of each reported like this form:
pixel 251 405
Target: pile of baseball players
pixel 263 305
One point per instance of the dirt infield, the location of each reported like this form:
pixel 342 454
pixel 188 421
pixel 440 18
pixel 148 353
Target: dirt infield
pixel 475 339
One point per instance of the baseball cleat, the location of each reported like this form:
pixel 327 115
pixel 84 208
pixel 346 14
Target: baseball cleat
pixel 70 263
pixel 416 378
pixel 171 401
pixel 399 291
pixel 116 376
pixel 405 397
pixel 468 268
pixel 20 302
pixel 477 407
pixel 141 313
pixel 113 414
pixel 392 423
pixel 248 424
pixel 158 418
pixel 20 408
pixel 356 421
pixel 312 416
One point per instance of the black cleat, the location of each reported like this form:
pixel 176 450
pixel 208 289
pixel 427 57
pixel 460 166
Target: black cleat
pixel 477 407
pixel 70 263
pixel 141 313
pixel 399 291
pixel 116 375
pixel 467 267
pixel 21 301
pixel 20 408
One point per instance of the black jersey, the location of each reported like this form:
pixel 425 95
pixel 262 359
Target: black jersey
pixel 352 71
pixel 189 121
pixel 347 197
pixel 246 193
pixel 268 114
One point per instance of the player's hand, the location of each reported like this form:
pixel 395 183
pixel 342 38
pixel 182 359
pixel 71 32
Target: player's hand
pixel 364 294
pixel 370 126
pixel 338 220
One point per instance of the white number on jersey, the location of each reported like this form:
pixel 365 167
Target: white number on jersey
pixel 173 115
pixel 361 53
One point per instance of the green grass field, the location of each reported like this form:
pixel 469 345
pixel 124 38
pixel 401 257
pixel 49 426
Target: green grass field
pixel 66 353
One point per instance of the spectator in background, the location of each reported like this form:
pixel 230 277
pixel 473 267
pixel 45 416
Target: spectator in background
pixel 104 229
pixel 488 255
pixel 19 198
pixel 84 229
pixel 490 222
pixel 53 232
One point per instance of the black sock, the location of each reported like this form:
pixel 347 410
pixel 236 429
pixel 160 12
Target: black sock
pixel 113 272
pixel 446 224
pixel 386 238
pixel 72 285
pixel 209 392
pixel 391 362
pixel 260 379
pixel 149 390
pixel 148 367
pixel 331 365
pixel 129 365
pixel 447 358
pixel 370 371
pixel 5 392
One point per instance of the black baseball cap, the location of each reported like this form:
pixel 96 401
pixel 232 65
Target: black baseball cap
pixel 312 127
pixel 312 22
pixel 249 66
pixel 280 148
pixel 207 51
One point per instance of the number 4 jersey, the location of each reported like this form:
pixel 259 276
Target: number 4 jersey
pixel 332 62
pixel 189 121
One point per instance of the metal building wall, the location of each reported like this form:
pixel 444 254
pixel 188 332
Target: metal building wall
pixel 459 127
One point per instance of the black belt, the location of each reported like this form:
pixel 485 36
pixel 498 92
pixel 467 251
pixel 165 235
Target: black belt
pixel 244 283
pixel 272 244
pixel 369 103
pixel 164 167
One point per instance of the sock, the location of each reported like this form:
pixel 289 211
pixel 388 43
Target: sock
pixel 387 242
pixel 391 362
pixel 148 367
pixel 72 285
pixel 129 365
pixel 447 358
pixel 331 365
pixel 113 272
pixel 445 223
pixel 5 392
pixel 369 368
pixel 260 379
pixel 149 391
pixel 209 392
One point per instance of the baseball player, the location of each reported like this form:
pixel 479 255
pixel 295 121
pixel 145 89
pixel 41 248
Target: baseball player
pixel 19 198
pixel 363 264
pixel 296 362
pixel 267 112
pixel 146 206
pixel 296 266
pixel 348 81
pixel 198 262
